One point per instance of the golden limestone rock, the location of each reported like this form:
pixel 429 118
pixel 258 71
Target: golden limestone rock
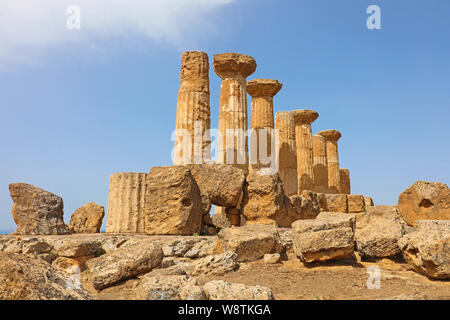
pixel 425 201
pixel 37 211
pixel 87 219
pixel 173 203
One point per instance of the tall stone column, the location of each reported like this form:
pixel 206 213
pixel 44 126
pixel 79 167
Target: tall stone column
pixel 192 141
pixel 334 179
pixel 233 68
pixel 303 139
pixel 320 164
pixel 345 181
pixel 262 122
pixel 287 151
pixel 126 203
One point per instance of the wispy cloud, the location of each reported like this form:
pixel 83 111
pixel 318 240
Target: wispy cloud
pixel 29 28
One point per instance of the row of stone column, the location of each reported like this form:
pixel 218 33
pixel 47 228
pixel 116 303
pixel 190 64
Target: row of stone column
pixel 305 161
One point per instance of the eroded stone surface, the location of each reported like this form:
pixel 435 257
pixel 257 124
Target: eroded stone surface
pixel 222 290
pixel 428 249
pixel 425 201
pixel 37 211
pixel 378 231
pixel 330 236
pixel 87 219
pixel 250 242
pixel 23 277
pixel 173 204
pixel 131 259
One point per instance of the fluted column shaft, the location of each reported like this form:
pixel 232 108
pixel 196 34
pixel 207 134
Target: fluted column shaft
pixel 320 164
pixel 287 151
pixel 262 122
pixel 233 68
pixel 334 180
pixel 126 203
pixel 303 139
pixel 192 141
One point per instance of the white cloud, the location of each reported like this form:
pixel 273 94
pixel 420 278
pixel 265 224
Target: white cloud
pixel 28 28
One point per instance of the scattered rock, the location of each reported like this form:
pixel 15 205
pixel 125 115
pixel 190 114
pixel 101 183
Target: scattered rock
pixel 67 265
pixel 130 260
pixel 265 201
pixel 214 265
pixel 87 219
pixel 173 202
pixel 37 211
pixel 163 287
pixel 250 242
pixel 330 236
pixel 74 247
pixel 427 250
pixel 192 292
pixel 425 201
pixel 23 277
pixel 272 258
pixel 222 290
pixel 378 231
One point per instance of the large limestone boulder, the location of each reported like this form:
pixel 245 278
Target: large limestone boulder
pixel 222 290
pixel 218 264
pixel 24 277
pixel 330 236
pixel 306 205
pixel 249 242
pixel 378 231
pixel 355 203
pixel 428 249
pixel 131 259
pixel 87 219
pixel 265 201
pixel 222 183
pixel 333 202
pixel 173 203
pixel 168 287
pixel 37 211
pixel 425 201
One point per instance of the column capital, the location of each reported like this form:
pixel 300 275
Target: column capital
pixel 263 87
pixel 332 135
pixel 233 65
pixel 304 116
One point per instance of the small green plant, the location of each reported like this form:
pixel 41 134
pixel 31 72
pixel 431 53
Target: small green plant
pixel 195 234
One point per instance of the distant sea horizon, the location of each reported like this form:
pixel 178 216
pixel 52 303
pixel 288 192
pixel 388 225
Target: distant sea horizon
pixel 6 231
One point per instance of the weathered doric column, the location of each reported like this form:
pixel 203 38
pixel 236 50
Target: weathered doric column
pixel 192 145
pixel 126 203
pixel 303 139
pixel 287 151
pixel 345 181
pixel 334 178
pixel 233 68
pixel 262 122
pixel 320 166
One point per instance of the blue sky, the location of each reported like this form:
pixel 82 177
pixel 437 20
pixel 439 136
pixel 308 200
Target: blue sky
pixel 77 106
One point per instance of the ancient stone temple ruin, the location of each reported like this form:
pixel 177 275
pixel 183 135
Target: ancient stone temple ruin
pixel 275 159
